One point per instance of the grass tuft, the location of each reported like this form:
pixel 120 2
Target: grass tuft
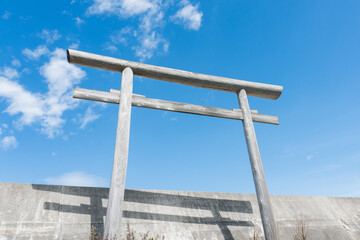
pixel 130 235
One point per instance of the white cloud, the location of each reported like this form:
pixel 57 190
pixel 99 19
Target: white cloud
pixel 9 72
pixel 21 101
pixel 119 37
pixel 151 15
pixel 148 44
pixel 110 48
pixel 4 126
pixel 88 117
pixel 66 13
pixel 36 53
pixel 122 8
pixel 149 38
pixel 16 63
pixel 75 45
pixel 46 109
pixel 61 77
pixel 79 21
pixel 151 20
pixel 77 179
pixel 50 36
pixel 135 7
pixel 311 156
pixel 189 15
pixel 6 15
pixel 8 142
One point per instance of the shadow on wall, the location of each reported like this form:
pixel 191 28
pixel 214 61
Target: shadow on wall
pixel 97 211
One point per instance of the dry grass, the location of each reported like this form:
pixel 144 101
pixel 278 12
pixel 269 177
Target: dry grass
pixel 94 234
pixel 301 230
pixel 130 235
pixel 256 233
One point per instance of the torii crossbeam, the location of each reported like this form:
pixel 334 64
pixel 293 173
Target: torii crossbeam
pixel 126 99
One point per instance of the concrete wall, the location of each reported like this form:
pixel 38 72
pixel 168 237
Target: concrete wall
pixel 30 211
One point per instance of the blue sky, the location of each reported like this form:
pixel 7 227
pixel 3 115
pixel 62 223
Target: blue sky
pixel 309 47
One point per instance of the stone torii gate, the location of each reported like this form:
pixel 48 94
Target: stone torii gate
pixel 126 99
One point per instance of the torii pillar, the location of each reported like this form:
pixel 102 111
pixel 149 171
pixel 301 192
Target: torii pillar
pixel 118 176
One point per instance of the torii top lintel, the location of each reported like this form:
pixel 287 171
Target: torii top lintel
pixel 173 75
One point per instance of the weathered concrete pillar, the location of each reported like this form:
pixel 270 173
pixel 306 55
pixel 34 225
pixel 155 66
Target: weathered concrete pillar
pixel 267 216
pixel 117 185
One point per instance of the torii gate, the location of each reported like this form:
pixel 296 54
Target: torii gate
pixel 127 99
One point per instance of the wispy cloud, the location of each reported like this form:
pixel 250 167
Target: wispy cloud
pixel 311 156
pixel 149 37
pixel 149 43
pixel 75 45
pixel 60 77
pixel 88 117
pixel 77 179
pixel 6 15
pixel 122 8
pixel 9 72
pixel 16 63
pixel 170 116
pixel 110 47
pixel 189 15
pixel 151 20
pixel 79 21
pixel 36 53
pixel 50 36
pixel 3 126
pixel 120 37
pixel 150 15
pixel 8 142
